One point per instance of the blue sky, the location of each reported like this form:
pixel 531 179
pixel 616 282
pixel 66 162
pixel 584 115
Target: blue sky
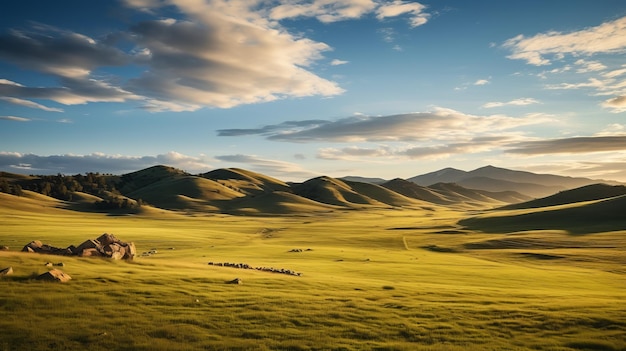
pixel 296 89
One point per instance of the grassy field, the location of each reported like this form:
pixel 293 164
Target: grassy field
pixel 371 280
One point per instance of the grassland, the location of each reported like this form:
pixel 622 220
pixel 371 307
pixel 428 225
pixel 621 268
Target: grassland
pixel 381 279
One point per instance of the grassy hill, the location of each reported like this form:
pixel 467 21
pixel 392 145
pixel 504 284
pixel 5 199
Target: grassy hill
pixel 585 193
pixel 578 218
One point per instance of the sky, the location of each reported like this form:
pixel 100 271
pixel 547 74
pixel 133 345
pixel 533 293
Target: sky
pixel 297 89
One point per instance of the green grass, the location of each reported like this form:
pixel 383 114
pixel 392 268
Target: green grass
pixel 365 285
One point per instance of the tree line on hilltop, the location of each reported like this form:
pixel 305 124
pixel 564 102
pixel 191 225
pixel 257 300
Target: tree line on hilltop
pixel 63 187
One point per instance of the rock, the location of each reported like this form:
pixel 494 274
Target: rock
pixel 107 239
pixel 54 275
pixel 90 253
pixel 234 281
pixel 131 251
pixel 32 246
pixel 3 247
pixel 6 271
pixel 88 244
pixel 48 264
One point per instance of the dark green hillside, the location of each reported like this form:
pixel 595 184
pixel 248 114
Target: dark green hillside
pixel 585 193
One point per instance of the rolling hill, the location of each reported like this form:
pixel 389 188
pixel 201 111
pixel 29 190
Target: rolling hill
pixel 234 190
pixel 585 193
pixel 588 209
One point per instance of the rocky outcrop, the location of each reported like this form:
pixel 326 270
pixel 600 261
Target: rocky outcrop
pixel 6 271
pixel 106 245
pixel 54 275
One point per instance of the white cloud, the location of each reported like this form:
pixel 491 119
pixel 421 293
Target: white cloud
pixel 481 82
pixel 15 119
pixel 98 162
pixel 516 102
pixel 28 103
pixel 616 104
pixel 337 62
pixel 326 11
pixel 440 124
pixel 609 37
pixel 589 66
pixel 398 7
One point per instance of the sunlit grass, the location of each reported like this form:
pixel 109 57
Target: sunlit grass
pixel 365 285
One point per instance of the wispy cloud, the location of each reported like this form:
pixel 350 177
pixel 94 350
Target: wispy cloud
pixel 609 37
pixel 600 78
pixel 617 104
pixel 337 62
pixel 481 82
pixel 28 103
pixel 439 124
pixel 414 10
pixel 575 145
pixel 15 119
pixel 430 151
pixel 97 162
pixel 516 102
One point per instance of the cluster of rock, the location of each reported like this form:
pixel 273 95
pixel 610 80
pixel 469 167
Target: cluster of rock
pixel 106 245
pixel 264 269
pixel 299 250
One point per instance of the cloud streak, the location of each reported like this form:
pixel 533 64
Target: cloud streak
pixel 609 37
pixel 576 145
pixel 421 126
pixel 516 102
pixel 96 162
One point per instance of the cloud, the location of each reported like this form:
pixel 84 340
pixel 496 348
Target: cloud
pixel 225 55
pixel 419 126
pixel 73 91
pixel 279 169
pixel 589 66
pixel 575 145
pixel 28 103
pixel 424 151
pixel 607 168
pixel 481 82
pixel 328 11
pixel 337 62
pixel 216 53
pixel 323 10
pixel 398 7
pixel 59 52
pixel 516 102
pixel 609 37
pixel 617 104
pixel 15 118
pixel 96 162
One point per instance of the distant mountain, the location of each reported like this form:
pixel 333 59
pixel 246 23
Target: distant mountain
pixel 491 184
pixel 451 193
pixel 492 178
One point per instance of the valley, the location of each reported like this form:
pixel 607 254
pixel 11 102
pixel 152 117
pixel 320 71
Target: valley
pixel 378 270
